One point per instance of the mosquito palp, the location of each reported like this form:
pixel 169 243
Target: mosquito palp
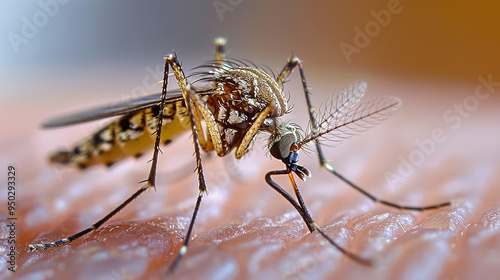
pixel 225 109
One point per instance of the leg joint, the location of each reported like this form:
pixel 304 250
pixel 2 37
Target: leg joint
pixel 293 61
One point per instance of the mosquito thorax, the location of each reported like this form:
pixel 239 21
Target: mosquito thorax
pixel 254 86
pixel 240 94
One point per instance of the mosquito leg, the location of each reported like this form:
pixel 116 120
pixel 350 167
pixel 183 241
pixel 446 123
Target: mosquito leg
pixel 302 211
pixel 250 134
pixel 220 50
pixel 311 224
pixel 183 113
pixel 199 110
pixel 189 97
pixel 290 65
pixel 173 266
pixel 205 139
pixel 294 62
pixel 43 246
pixel 300 199
pixel 201 182
pixel 375 199
pixel 215 142
pixel 150 182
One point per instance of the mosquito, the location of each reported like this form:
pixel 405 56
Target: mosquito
pixel 236 100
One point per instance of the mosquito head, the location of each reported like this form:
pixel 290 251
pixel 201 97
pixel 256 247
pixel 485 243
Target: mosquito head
pixel 284 143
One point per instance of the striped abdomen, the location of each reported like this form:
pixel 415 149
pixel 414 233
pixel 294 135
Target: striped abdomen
pixel 130 135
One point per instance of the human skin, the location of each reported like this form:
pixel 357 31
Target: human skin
pixel 245 230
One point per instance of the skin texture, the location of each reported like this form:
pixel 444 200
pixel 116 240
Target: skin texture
pixel 245 230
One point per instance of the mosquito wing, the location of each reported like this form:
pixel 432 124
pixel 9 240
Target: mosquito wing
pixel 115 109
pixel 337 125
pixel 345 99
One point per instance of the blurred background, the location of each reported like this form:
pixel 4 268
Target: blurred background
pixel 58 56
pixel 419 38
pixel 68 45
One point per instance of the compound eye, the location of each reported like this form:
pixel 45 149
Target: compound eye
pixel 283 147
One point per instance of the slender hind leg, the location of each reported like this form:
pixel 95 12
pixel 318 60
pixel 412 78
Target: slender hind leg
pixel 292 64
pixel 304 213
pixel 149 182
pixel 189 97
pixel 171 61
pixel 201 184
